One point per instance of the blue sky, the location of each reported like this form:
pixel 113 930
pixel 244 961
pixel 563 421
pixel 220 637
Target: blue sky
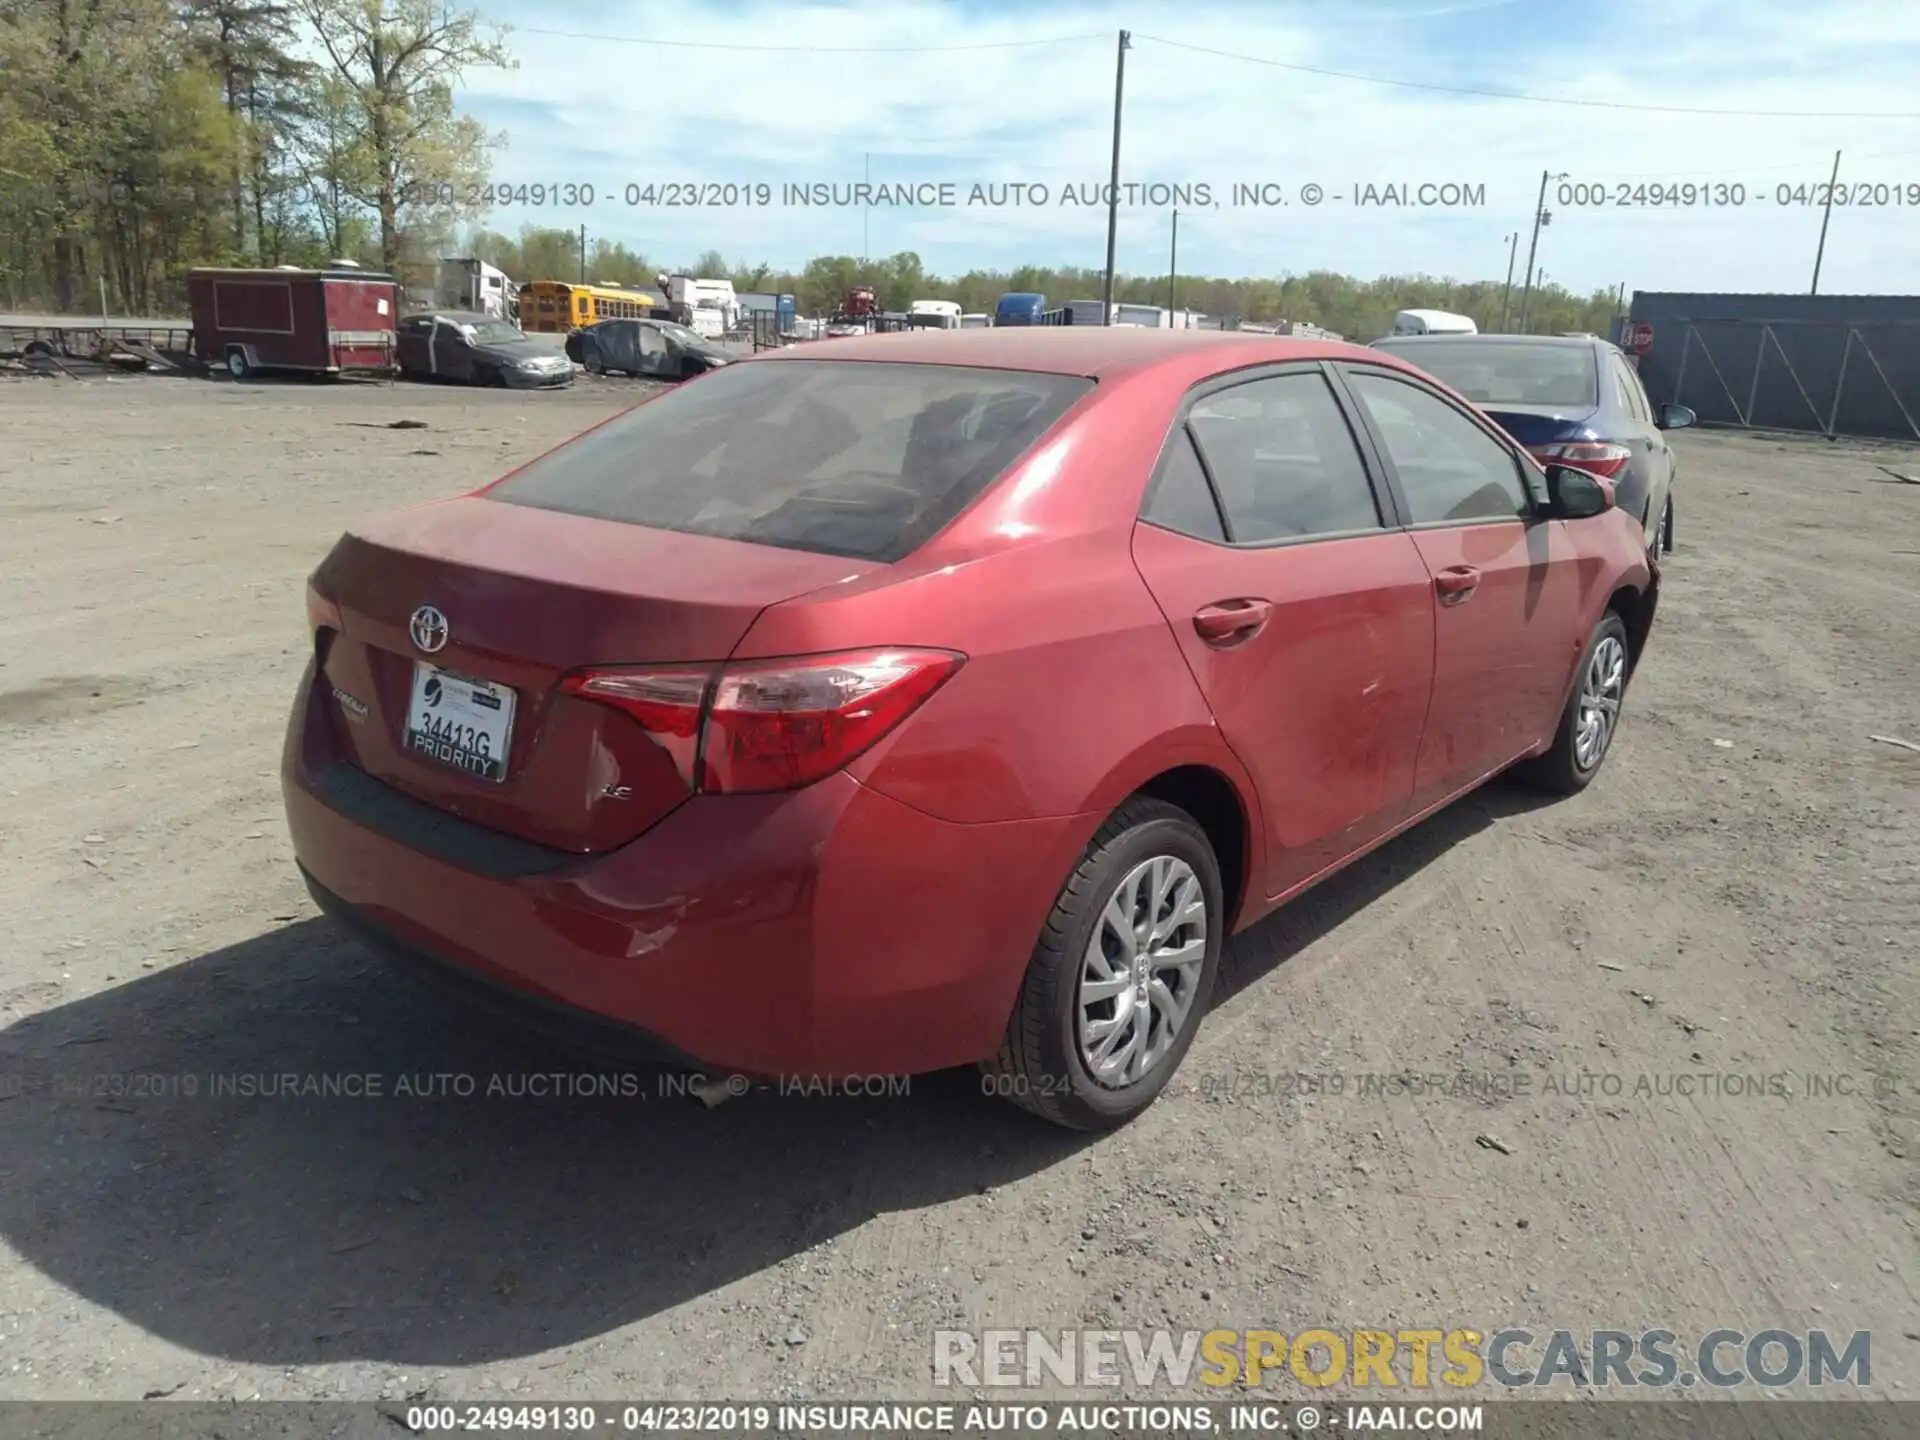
pixel 612 115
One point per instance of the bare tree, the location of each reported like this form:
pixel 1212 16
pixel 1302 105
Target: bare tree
pixel 401 60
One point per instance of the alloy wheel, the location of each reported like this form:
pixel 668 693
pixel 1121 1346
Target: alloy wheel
pixel 1602 688
pixel 1141 970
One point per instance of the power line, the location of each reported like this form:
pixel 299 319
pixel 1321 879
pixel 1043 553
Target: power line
pixel 1531 99
pixel 806 49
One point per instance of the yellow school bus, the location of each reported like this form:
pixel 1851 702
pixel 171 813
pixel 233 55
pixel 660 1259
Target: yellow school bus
pixel 555 306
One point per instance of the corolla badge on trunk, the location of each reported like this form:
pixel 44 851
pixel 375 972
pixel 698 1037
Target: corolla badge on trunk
pixel 428 628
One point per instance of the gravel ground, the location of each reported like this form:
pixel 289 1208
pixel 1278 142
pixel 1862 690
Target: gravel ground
pixel 1734 896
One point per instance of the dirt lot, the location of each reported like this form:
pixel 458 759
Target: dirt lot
pixel 1734 896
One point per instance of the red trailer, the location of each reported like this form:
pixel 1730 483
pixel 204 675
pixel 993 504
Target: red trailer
pixel 326 322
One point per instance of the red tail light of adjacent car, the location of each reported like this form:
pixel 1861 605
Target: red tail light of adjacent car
pixel 1599 457
pixel 771 724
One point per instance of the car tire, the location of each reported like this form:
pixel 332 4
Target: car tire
pixel 1666 528
pixel 238 366
pixel 1593 713
pixel 1146 850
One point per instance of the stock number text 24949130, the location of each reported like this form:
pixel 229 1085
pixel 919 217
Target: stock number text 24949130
pixel 536 193
pixel 1649 194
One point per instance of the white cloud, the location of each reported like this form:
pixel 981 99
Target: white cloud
pixel 611 114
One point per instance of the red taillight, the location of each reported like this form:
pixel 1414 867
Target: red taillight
pixel 1599 457
pixel 771 724
pixel 666 701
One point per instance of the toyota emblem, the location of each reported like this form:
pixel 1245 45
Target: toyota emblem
pixel 428 628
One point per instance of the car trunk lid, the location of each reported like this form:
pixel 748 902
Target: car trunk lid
pixel 1542 424
pixel 528 596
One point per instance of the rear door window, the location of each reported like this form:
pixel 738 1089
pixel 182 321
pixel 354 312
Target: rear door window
pixel 839 457
pixel 1284 460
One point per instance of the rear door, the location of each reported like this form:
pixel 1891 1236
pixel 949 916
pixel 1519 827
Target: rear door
pixel 1504 577
pixel 1304 612
pixel 615 344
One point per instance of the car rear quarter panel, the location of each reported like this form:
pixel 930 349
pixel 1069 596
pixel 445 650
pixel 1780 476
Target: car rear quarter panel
pixel 1072 685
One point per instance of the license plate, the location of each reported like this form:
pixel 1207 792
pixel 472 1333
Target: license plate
pixel 460 721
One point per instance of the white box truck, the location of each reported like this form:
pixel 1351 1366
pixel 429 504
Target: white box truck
pixel 474 285
pixel 1432 322
pixel 934 315
pixel 707 307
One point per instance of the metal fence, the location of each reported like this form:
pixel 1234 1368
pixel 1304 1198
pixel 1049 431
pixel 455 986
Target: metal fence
pixel 1852 371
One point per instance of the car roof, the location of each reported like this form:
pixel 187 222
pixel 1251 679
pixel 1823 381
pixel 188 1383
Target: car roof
pixel 1098 351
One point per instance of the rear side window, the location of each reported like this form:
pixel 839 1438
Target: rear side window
pixel 1182 498
pixel 837 457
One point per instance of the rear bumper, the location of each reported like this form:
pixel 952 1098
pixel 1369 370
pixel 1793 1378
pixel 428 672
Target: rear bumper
pixel 580 1029
pixel 829 931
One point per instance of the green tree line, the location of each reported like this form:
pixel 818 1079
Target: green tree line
pixel 1352 307
pixel 139 138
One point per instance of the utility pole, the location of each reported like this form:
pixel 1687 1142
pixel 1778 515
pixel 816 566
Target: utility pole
pixel 1540 217
pixel 583 254
pixel 1173 264
pixel 1506 300
pixel 866 218
pixel 1825 216
pixel 1113 184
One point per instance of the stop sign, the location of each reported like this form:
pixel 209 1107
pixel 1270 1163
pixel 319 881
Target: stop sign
pixel 1640 339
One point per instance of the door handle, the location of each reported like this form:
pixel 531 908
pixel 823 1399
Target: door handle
pixel 1231 622
pixel 1456 584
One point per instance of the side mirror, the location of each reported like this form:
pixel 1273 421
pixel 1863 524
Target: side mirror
pixel 1676 417
pixel 1576 494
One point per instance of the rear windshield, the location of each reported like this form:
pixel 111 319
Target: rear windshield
pixel 839 457
pixel 1508 372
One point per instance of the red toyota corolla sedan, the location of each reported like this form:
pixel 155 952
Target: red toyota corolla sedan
pixel 946 699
